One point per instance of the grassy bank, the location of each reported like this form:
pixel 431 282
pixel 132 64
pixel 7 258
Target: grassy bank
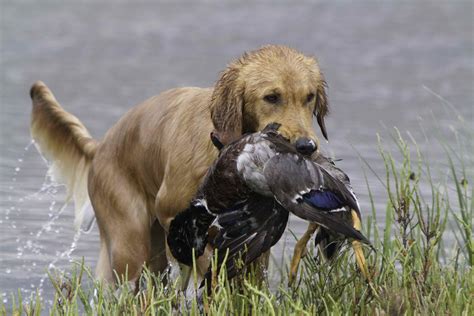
pixel 413 270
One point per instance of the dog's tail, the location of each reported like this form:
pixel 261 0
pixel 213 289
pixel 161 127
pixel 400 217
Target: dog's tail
pixel 68 148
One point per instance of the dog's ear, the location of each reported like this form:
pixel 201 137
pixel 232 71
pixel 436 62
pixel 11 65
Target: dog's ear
pixel 227 106
pixel 322 107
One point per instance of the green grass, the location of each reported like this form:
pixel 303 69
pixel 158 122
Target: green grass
pixel 414 270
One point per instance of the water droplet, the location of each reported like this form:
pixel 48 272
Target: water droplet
pixel 17 169
pixel 29 145
pixel 20 160
pixel 8 271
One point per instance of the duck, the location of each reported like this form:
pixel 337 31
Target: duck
pixel 248 194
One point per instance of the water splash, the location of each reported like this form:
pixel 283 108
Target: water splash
pixel 16 171
pixel 66 254
pixel 30 246
pixel 47 226
pixel 20 160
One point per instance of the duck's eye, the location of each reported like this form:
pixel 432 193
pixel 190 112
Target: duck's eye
pixel 310 97
pixel 272 98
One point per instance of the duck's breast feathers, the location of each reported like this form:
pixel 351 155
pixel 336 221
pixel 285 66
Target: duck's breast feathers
pixel 246 158
pixel 223 187
pixel 251 161
pixel 236 173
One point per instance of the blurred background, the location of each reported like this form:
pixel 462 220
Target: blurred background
pixel 404 64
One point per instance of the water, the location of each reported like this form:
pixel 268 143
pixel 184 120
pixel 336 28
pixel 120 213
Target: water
pixel 385 63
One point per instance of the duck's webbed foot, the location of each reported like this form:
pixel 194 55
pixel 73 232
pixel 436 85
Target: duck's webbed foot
pixel 300 252
pixel 357 246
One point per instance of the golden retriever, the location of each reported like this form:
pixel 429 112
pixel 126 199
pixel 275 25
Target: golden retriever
pixel 150 163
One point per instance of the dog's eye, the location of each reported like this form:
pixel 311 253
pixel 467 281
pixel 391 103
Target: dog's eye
pixel 272 98
pixel 310 97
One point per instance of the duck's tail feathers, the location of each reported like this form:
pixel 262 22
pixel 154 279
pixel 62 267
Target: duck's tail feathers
pixel 329 244
pixel 329 221
pixel 68 148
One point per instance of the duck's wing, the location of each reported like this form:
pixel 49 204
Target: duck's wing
pixel 248 232
pixel 310 192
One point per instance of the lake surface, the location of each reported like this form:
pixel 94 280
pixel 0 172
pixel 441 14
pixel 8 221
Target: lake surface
pixel 408 65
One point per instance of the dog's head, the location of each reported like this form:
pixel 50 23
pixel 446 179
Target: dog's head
pixel 272 84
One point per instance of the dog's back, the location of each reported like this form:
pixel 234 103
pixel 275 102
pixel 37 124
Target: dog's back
pixel 137 178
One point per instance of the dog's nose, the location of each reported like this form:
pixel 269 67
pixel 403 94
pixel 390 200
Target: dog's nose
pixel 305 146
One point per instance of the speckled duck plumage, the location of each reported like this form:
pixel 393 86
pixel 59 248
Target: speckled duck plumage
pixel 248 193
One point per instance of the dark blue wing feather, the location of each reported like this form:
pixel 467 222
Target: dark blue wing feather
pixel 323 200
pixel 288 175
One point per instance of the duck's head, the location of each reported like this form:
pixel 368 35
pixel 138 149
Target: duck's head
pixel 188 231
